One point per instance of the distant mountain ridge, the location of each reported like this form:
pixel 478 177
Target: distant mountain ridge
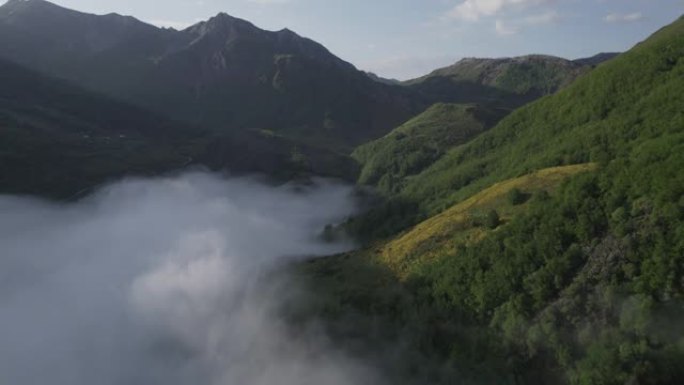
pixel 510 82
pixel 229 75
pixel 597 59
pixel 245 99
pixel 223 73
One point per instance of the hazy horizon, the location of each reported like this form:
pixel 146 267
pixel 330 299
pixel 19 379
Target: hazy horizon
pixel 390 38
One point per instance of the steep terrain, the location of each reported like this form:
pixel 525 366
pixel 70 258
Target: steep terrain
pixel 602 115
pixel 572 274
pixel 418 143
pixel 229 75
pixel 507 82
pixel 224 73
pixel 546 247
pixel 57 139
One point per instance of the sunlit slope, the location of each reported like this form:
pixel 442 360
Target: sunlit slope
pixel 465 222
pixel 510 82
pixel 616 109
pixel 583 286
pixel 368 298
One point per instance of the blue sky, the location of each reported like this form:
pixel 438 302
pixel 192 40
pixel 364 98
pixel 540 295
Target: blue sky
pixel 408 38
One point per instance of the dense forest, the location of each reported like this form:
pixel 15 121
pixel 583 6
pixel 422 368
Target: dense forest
pixel 563 276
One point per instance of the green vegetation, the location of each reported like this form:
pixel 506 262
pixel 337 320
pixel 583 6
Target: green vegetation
pixel 580 283
pixel 548 249
pixel 508 82
pixel 375 297
pixel 607 115
pixel 464 223
pixel 412 147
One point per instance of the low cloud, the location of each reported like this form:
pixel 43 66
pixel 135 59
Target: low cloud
pixel 504 29
pixel 473 10
pixel 164 282
pixel 623 17
pixel 507 28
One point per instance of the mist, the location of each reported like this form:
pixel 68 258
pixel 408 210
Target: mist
pixel 166 281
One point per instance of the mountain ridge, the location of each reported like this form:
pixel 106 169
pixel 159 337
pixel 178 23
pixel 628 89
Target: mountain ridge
pixel 580 282
pixel 508 81
pixel 213 73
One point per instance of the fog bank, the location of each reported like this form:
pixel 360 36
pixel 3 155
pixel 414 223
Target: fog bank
pixel 156 282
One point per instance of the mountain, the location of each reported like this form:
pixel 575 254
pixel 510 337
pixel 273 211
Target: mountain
pixel 57 140
pixel 224 73
pixel 257 100
pixel 597 59
pixel 228 75
pixel 579 124
pixel 380 79
pixel 507 82
pixel 547 250
pixel 418 143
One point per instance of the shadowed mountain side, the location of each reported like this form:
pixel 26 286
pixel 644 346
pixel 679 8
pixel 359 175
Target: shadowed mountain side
pixel 57 140
pixel 224 73
pixel 418 143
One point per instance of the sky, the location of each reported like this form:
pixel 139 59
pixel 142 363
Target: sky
pixel 409 38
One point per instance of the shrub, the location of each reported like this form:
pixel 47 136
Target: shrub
pixel 492 220
pixel 516 197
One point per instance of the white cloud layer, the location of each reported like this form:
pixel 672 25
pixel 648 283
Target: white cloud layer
pixel 157 282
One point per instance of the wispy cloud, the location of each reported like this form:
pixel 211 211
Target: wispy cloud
pixel 473 10
pixel 623 17
pixel 503 29
pixel 542 18
pixel 512 27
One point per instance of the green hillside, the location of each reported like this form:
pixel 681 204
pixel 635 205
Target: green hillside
pixel 579 284
pixel 421 141
pixel 603 117
pixel 509 82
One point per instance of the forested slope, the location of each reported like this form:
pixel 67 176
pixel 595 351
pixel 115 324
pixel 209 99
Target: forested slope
pixel 579 284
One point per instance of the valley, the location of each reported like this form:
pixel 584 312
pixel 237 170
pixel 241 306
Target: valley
pixel 244 193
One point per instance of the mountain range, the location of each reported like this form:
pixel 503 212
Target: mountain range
pixel 223 73
pixel 230 76
pixel 526 220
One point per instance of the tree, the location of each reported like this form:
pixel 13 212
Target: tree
pixel 516 197
pixel 492 220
